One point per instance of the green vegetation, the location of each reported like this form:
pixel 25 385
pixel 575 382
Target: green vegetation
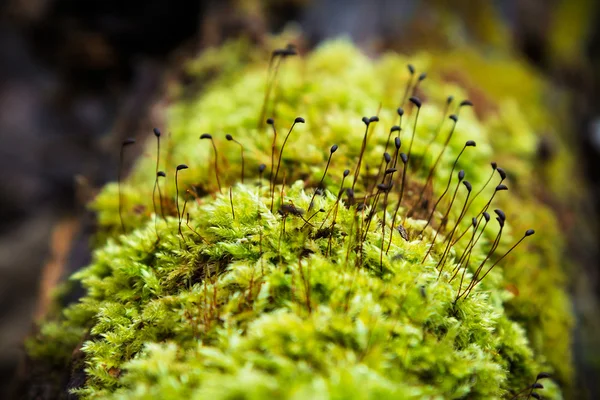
pixel 265 305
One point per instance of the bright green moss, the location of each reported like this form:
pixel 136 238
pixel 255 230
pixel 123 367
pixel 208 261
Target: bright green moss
pixel 243 308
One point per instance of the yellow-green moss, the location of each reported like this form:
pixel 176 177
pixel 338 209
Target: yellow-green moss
pixel 241 308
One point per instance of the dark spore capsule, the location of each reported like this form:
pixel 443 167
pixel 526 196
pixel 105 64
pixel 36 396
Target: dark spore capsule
pixel 500 214
pixel 387 157
pixel 374 119
pixel 529 232
pixel 299 120
pixel 501 187
pixel 384 187
pixel 402 232
pixel 346 172
pixel 261 168
pixel 466 103
pixel 468 185
pixel 156 132
pixel 291 209
pixel 416 101
pixel 537 385
pixel 229 137
pixel 494 165
pixel 470 143
pixel 206 136
pixel 400 111
pixel 501 172
pixel 397 143
pixel 453 117
pixel 270 121
pixel 486 215
pixel 542 375
pixel 404 158
pixel 461 174
pixel 333 148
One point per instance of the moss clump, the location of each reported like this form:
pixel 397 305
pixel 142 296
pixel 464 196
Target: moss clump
pixel 263 304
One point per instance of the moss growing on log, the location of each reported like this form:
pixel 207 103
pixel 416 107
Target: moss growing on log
pixel 250 301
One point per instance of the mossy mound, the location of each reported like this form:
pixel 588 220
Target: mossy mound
pixel 245 300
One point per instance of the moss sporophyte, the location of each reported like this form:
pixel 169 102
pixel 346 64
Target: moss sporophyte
pixel 374 272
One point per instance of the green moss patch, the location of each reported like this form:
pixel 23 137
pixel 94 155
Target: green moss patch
pixel 259 303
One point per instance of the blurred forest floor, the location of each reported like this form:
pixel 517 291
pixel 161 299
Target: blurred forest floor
pixel 77 77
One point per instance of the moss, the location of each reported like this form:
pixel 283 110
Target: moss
pixel 264 304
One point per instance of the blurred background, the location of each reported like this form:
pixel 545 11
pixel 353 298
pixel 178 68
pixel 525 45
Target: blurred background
pixel 76 77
